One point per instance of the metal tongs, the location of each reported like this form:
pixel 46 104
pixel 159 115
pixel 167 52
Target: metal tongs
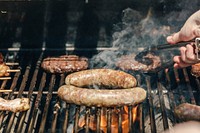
pixel 140 57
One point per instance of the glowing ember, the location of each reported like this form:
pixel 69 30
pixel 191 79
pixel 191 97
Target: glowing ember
pixel 114 120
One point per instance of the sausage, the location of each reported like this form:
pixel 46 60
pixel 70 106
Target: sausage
pixel 15 105
pixel 101 77
pixel 187 111
pixel 101 98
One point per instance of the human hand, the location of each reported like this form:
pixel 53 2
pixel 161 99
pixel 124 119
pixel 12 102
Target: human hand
pixel 186 127
pixel 189 31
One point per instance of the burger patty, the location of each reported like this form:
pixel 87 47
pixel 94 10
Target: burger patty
pixel 128 62
pixel 64 64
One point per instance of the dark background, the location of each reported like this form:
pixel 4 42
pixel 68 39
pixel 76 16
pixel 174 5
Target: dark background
pixel 55 23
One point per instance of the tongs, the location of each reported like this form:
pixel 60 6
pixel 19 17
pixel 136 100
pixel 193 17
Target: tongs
pixel 152 49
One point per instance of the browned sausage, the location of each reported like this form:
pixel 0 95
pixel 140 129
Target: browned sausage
pixel 101 98
pixel 187 111
pixel 101 77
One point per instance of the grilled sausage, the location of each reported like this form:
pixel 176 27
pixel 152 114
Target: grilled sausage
pixel 186 111
pixel 101 77
pixel 15 105
pixel 101 98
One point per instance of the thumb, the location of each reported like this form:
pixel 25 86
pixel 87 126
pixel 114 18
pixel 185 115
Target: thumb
pixel 197 32
pixel 174 38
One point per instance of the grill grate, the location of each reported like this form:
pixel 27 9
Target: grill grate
pixel 166 89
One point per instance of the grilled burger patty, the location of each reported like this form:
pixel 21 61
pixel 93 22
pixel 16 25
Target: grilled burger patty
pixel 128 62
pixel 64 64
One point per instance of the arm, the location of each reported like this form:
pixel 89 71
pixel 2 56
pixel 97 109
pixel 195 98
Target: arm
pixel 189 31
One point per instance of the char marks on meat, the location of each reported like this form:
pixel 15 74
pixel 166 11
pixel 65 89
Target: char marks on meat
pixel 64 64
pixel 128 62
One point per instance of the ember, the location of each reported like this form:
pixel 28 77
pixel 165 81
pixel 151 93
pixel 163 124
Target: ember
pixel 116 115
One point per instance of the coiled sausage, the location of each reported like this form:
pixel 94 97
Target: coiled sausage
pixel 101 77
pixel 101 98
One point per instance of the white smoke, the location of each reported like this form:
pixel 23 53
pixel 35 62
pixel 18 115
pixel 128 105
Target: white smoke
pixel 137 30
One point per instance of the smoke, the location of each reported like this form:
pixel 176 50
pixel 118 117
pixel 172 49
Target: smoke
pixel 137 31
pixel 176 19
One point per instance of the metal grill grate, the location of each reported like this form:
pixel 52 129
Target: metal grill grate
pixel 48 113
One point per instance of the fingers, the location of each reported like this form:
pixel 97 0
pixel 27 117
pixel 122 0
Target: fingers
pixel 197 32
pixel 185 127
pixel 174 38
pixel 186 58
pixel 190 55
pixel 187 54
pixel 184 35
pixel 179 63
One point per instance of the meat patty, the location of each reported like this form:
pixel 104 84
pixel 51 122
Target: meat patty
pixel 101 77
pixel 64 64
pixel 128 62
pixel 101 98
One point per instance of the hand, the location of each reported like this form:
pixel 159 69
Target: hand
pixel 186 127
pixel 189 31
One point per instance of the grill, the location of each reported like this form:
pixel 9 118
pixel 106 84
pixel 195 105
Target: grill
pixel 28 43
pixel 166 90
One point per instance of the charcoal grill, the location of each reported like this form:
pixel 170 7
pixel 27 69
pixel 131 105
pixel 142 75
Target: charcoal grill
pixel 166 89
